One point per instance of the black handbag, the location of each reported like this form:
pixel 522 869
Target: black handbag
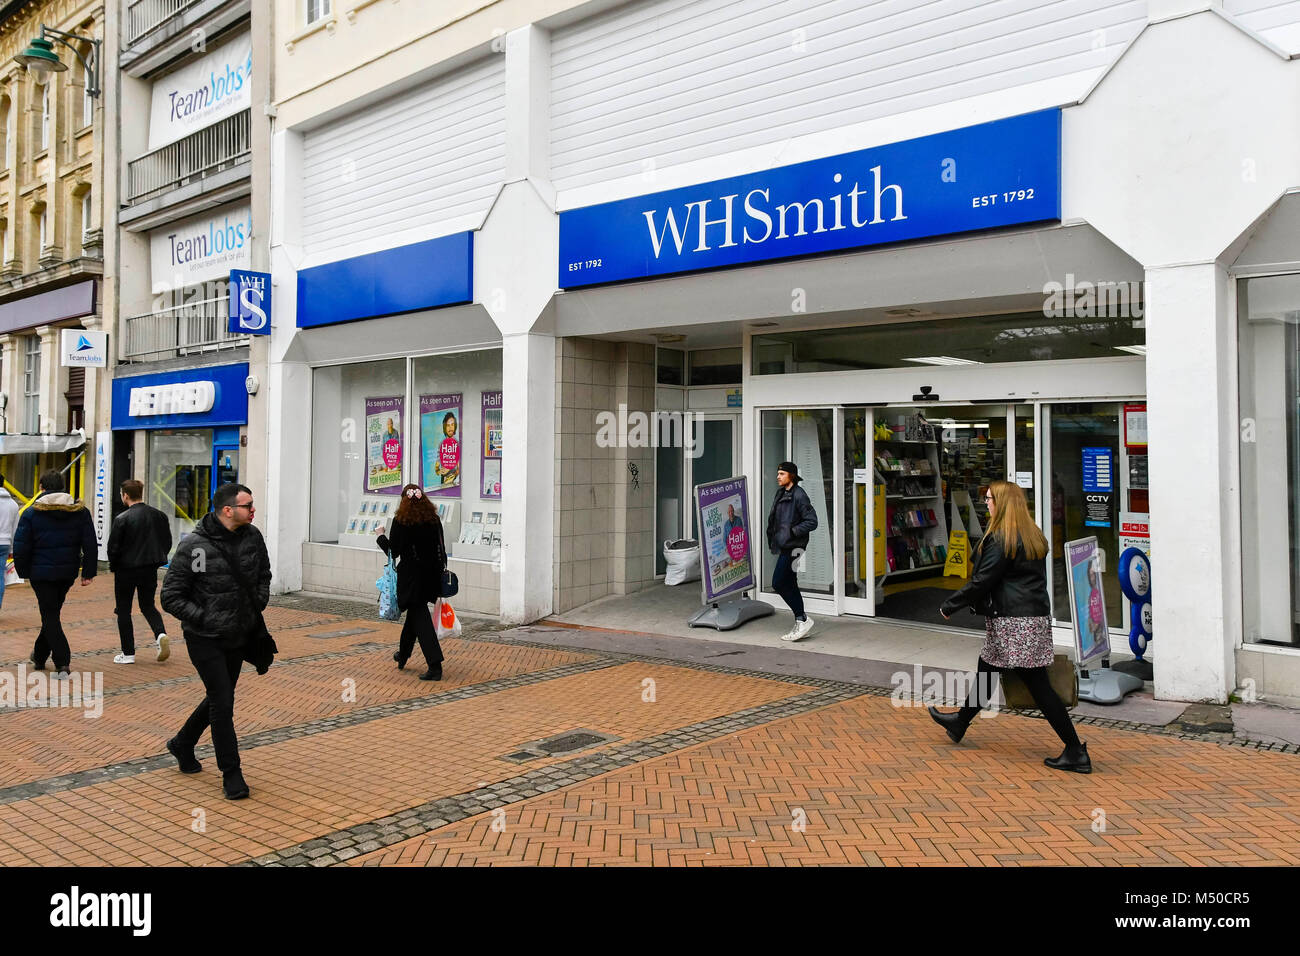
pixel 261 649
pixel 450 584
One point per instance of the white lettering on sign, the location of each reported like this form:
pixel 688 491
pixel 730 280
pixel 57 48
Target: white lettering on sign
pixel 184 398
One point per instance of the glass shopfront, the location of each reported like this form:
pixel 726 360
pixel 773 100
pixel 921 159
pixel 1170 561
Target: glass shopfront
pixel 899 487
pixel 435 421
pixel 1269 352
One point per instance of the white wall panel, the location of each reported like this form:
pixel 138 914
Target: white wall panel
pixel 1278 21
pixel 676 81
pixel 399 170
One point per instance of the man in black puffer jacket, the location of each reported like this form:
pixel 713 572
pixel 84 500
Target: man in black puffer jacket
pixel 54 540
pixel 790 522
pixel 217 585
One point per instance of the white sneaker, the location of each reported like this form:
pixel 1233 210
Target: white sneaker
pixel 790 634
pixel 802 629
pixel 61 675
pixel 164 648
pixel 124 659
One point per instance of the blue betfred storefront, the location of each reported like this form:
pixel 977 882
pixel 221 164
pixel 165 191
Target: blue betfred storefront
pixel 180 433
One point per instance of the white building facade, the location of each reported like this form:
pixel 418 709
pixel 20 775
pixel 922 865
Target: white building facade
pixel 912 250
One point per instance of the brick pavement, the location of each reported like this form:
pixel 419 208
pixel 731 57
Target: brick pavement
pixel 352 761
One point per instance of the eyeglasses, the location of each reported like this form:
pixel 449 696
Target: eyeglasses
pixel 249 506
pixel 988 497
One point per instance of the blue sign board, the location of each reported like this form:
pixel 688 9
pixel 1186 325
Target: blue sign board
pixel 191 398
pixel 424 275
pixel 1098 473
pixel 250 303
pixel 1001 173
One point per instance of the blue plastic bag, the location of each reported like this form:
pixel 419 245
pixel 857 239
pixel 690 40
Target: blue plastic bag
pixel 387 584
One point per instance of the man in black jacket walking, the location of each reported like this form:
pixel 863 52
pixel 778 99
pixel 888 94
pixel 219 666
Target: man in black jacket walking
pixel 138 545
pixel 790 522
pixel 217 585
pixel 55 538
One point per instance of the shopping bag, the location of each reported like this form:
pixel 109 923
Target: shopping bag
pixel 445 622
pixel 11 575
pixel 387 584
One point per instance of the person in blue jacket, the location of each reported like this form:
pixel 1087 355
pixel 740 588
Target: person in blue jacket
pixel 55 541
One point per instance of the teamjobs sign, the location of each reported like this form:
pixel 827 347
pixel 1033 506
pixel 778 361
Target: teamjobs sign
pixel 201 93
pixel 201 248
pixel 980 177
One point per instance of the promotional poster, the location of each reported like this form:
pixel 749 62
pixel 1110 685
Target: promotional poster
pixel 492 418
pixel 724 537
pixel 1087 600
pixel 440 443
pixel 383 445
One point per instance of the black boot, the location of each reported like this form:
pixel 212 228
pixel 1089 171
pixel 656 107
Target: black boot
pixel 433 673
pixel 1073 759
pixel 401 661
pixel 956 722
pixel 184 756
pixel 232 781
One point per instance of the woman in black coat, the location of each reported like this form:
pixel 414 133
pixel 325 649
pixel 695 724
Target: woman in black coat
pixel 421 554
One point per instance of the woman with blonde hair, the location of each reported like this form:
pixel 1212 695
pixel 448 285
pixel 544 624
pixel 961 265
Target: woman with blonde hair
pixel 1009 587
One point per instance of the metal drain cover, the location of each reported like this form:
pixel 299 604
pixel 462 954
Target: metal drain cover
pixel 568 742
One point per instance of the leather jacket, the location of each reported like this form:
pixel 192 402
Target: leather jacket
pixel 1002 586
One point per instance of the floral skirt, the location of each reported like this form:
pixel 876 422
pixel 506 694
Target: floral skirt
pixel 1018 642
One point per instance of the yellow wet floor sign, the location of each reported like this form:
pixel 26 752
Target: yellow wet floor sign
pixel 958 563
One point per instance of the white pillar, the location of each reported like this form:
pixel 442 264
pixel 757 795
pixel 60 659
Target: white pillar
pixel 1190 412
pixel 528 476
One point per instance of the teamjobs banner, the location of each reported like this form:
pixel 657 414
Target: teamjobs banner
pixel 202 248
pixel 723 515
pixel 995 174
pixel 440 417
pixel 201 93
pixel 384 445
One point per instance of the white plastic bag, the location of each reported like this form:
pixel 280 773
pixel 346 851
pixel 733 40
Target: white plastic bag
pixel 683 559
pixel 445 620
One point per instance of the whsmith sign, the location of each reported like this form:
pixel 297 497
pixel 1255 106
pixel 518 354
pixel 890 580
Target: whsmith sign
pixel 996 174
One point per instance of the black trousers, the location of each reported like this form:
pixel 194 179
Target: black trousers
pixel 419 627
pixel 50 596
pixel 127 584
pixel 219 670
pixel 1040 687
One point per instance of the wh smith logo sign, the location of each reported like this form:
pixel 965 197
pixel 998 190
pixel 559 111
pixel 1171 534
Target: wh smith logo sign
pixel 250 303
pixel 997 174
pixel 201 93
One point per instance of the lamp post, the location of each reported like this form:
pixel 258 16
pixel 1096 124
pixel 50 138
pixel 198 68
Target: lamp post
pixel 40 59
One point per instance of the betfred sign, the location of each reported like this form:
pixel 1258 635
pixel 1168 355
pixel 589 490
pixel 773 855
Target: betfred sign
pixel 185 398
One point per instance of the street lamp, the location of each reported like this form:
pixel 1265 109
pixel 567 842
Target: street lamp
pixel 40 59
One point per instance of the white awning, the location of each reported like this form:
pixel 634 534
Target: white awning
pixel 40 444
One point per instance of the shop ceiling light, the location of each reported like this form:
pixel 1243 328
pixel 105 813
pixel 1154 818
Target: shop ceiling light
pixel 1132 349
pixel 942 360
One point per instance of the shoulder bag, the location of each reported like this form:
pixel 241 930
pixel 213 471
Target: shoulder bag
pixel 261 645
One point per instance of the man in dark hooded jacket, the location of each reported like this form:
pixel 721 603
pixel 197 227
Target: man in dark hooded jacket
pixel 54 540
pixel 217 585
pixel 790 522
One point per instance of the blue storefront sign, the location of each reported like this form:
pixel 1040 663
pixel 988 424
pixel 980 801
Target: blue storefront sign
pixel 1002 173
pixel 191 398
pixel 423 275
pixel 250 302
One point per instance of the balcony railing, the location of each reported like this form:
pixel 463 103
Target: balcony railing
pixel 145 16
pixel 210 150
pixel 182 330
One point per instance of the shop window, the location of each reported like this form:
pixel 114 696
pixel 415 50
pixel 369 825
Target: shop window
pixel 670 366
pixel 1030 337
pixel 456 411
pixel 1269 355
pixel 371 435
pixel 715 366
pixel 180 477
pixel 358 448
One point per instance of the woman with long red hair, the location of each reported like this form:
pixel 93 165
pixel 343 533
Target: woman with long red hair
pixel 421 553
pixel 1009 587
